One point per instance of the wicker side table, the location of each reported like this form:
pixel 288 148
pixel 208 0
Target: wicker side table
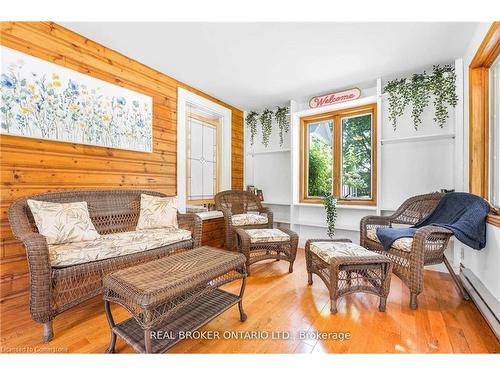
pixel 262 244
pixel 179 293
pixel 348 268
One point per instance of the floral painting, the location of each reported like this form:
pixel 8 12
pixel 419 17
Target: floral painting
pixel 43 100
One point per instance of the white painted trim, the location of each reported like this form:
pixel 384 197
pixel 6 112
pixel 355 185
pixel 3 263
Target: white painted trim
pixel 459 175
pixel 323 225
pixel 482 298
pixel 245 150
pixel 379 146
pixel 418 138
pixel 294 160
pixel 185 97
pixel 277 203
pixel 341 206
pixel 253 153
pixel 337 107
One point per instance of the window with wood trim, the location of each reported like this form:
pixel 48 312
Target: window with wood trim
pixel 338 156
pixel 481 138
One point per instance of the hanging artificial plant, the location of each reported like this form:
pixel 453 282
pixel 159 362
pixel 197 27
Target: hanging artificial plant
pixel 418 96
pixel 266 119
pixel 330 203
pixel 251 120
pixel 281 116
pixel 417 91
pixel 443 89
pixel 398 99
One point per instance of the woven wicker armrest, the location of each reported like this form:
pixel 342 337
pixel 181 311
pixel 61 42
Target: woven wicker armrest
pixel 373 221
pixel 228 225
pixel 37 253
pixel 431 238
pixel 382 221
pixel 243 237
pixel 269 214
pixel 192 222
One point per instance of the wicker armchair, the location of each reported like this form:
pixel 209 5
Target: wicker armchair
pixel 427 247
pixel 233 202
pixel 55 290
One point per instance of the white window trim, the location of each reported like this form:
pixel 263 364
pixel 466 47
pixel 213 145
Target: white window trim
pixel 185 98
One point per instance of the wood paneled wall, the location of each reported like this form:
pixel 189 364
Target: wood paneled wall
pixel 30 166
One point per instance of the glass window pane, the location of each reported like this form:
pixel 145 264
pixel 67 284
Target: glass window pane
pixel 356 157
pixel 319 158
pixel 201 159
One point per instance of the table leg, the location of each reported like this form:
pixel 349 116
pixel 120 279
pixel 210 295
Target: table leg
pixel 243 316
pixel 147 341
pixel 111 322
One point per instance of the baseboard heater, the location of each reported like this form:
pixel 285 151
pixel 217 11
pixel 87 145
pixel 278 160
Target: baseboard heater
pixel 484 300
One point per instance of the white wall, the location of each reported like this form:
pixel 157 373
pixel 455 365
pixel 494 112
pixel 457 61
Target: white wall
pixel 268 168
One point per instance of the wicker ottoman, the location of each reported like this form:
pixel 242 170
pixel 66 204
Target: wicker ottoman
pixel 347 268
pixel 261 244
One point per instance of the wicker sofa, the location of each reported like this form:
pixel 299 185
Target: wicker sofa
pixel 55 289
pixel 240 209
pixel 410 255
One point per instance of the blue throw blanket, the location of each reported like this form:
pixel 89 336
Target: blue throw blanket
pixel 462 213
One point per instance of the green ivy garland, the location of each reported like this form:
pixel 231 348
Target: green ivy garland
pixel 418 97
pixel 443 89
pixel 281 116
pixel 251 120
pixel 266 119
pixel 418 89
pixel 330 203
pixel 398 99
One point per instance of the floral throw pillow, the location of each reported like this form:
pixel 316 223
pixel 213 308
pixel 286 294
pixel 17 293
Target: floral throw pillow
pixel 63 222
pixel 157 212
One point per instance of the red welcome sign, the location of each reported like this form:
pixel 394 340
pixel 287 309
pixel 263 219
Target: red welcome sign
pixel 334 98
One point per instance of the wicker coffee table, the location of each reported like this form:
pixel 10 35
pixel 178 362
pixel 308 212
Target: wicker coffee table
pixel 262 244
pixel 348 268
pixel 179 293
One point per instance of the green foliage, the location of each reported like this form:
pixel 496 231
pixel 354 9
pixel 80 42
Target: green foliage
pixel 398 99
pixel 320 168
pixel 330 203
pixel 417 91
pixel 443 89
pixel 266 119
pixel 251 120
pixel 356 157
pixel 419 97
pixel 281 116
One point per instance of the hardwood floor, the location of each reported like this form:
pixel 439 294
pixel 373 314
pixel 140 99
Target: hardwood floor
pixel 275 302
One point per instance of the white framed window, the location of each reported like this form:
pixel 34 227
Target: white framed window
pixel 202 156
pixel 495 133
pixel 186 101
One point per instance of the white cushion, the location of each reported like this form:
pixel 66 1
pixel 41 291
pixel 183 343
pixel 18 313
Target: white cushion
pixel 267 235
pixel 328 250
pixel 403 244
pixel 63 222
pixel 114 245
pixel 157 212
pixel 248 219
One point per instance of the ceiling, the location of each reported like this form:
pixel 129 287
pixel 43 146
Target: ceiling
pixel 253 65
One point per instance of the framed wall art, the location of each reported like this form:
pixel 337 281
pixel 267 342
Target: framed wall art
pixel 43 100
